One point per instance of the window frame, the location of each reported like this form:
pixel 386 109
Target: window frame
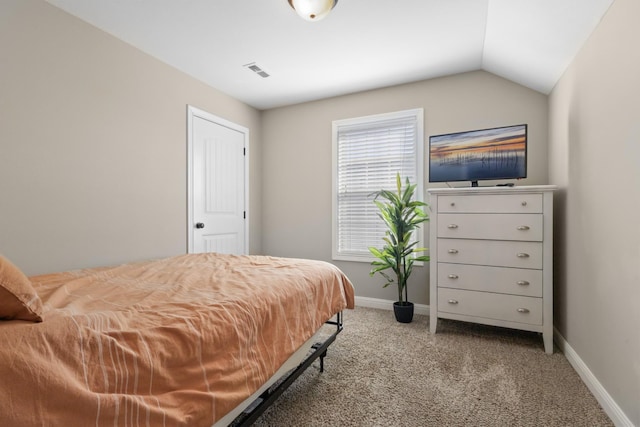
pixel 418 115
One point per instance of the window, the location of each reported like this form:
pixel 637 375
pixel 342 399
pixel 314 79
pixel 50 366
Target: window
pixel 368 152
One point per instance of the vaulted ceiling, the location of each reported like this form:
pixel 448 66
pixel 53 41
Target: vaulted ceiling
pixel 361 45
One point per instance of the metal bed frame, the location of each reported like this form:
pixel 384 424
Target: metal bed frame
pixel 267 398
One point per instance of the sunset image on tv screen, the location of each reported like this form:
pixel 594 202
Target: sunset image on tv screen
pixel 498 153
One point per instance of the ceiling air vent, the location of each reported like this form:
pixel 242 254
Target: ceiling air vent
pixel 259 71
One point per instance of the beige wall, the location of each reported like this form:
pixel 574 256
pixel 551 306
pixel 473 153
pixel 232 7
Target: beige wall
pixel 93 144
pixel 297 158
pixel 595 158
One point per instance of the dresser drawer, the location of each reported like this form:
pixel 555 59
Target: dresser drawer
pixel 491 226
pixel 511 308
pixel 497 253
pixel 515 281
pixel 491 203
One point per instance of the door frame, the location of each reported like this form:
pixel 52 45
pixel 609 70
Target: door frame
pixel 193 112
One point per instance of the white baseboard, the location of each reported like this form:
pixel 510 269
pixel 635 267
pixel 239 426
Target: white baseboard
pixel 600 393
pixel 388 305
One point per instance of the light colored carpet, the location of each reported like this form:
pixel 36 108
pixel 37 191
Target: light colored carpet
pixel 383 373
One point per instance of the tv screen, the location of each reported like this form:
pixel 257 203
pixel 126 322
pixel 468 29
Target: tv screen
pixel 485 154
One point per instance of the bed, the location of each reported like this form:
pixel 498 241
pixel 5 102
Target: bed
pixel 184 341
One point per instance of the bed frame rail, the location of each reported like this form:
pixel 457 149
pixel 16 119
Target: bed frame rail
pixel 266 399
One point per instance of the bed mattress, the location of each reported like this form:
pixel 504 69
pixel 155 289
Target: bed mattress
pixel 173 342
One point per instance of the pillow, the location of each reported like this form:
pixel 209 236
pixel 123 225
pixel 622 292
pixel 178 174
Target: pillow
pixel 18 299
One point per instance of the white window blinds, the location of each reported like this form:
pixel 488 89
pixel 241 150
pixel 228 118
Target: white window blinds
pixel 368 153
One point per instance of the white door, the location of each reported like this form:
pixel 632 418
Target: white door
pixel 217 184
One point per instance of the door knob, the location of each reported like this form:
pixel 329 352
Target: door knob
pixel 199 225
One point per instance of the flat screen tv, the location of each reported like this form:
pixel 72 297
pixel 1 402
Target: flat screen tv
pixel 485 154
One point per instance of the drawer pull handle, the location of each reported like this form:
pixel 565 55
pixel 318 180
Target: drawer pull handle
pixel 453 203
pixel 522 283
pixel 523 310
pixel 453 251
pixel 523 255
pixel 452 226
pixel 523 227
pixel 524 203
pixel 453 301
pixel 453 276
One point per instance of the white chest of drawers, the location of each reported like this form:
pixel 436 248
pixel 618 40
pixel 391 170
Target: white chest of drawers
pixel 492 257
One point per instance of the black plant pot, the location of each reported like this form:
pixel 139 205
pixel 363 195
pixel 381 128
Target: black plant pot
pixel 403 311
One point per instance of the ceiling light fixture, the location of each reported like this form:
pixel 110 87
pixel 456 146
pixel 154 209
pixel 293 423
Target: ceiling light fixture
pixel 313 10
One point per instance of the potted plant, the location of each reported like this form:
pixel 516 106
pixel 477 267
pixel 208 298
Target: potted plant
pixel 402 216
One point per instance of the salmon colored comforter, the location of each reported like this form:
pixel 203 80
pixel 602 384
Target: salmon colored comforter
pixel 173 342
